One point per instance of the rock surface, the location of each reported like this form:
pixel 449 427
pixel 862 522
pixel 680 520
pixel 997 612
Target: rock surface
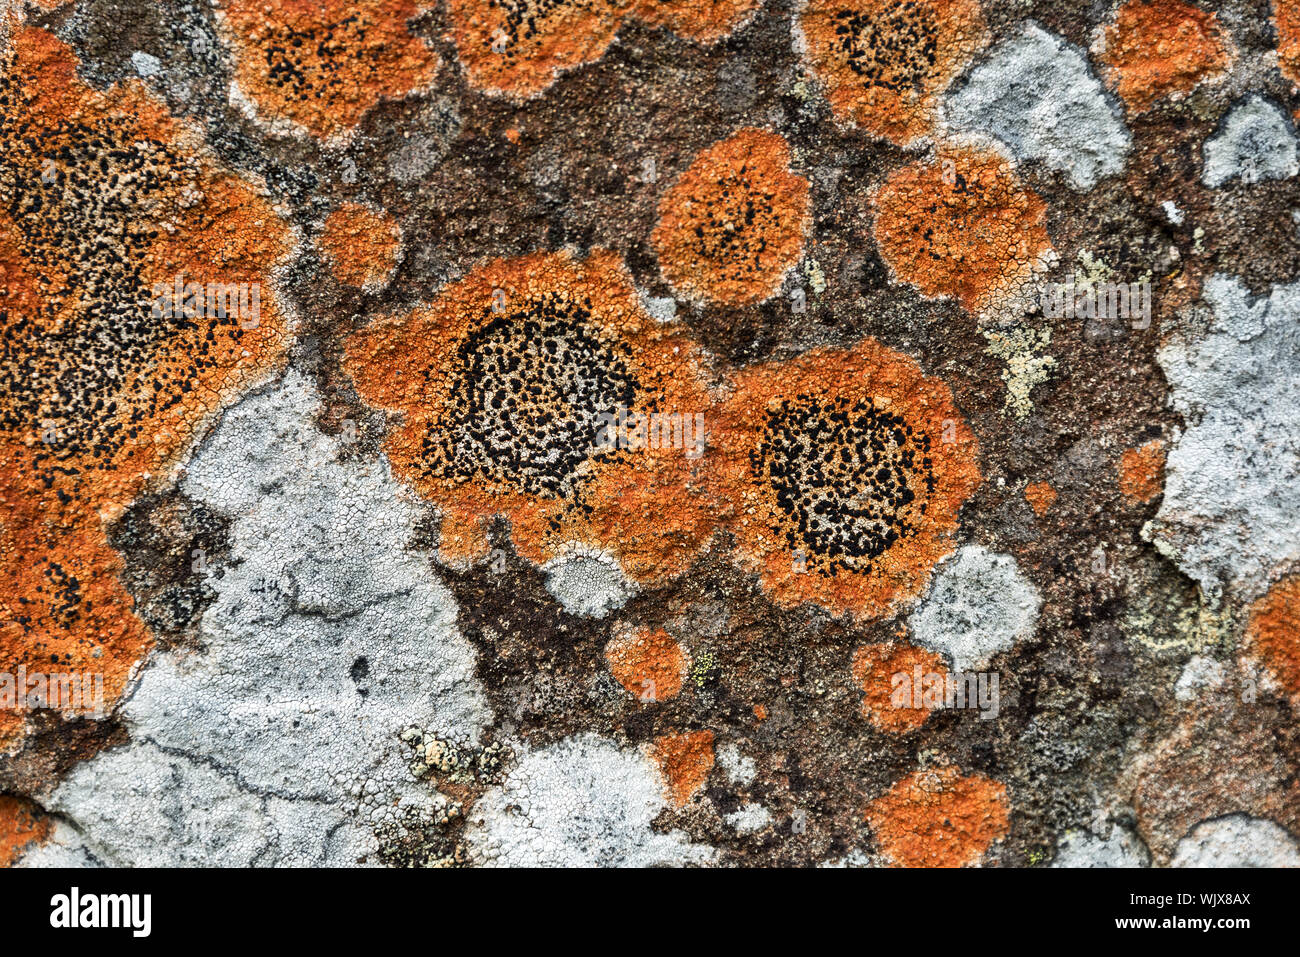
pixel 765 432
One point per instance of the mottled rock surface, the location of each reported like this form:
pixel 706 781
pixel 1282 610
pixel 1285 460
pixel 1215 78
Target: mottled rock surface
pixel 763 432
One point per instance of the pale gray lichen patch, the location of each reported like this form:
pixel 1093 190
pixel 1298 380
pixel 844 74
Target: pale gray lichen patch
pixel 1230 515
pixel 979 604
pixel 659 308
pixel 1121 848
pixel 739 768
pixel 583 802
pixel 146 64
pixel 278 741
pixel 1037 95
pixel 1256 142
pixel 419 154
pixel 749 819
pixel 1237 840
pixel 141 806
pixel 587 582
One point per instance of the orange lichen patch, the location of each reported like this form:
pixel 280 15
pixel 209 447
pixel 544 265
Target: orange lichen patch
pixel 648 663
pixel 889 703
pixel 322 64
pixel 885 63
pixel 1160 48
pixel 362 245
pixel 1141 472
pixel 1286 17
pixel 847 470
pixel 760 712
pixel 537 388
pixel 964 226
pixel 939 818
pixel 1040 496
pixel 685 761
pixel 21 825
pixel 518 48
pixel 106 375
pixel 1274 632
pixel 705 21
pixel 734 223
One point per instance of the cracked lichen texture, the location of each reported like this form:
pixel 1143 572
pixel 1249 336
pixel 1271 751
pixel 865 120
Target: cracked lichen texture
pixel 109 202
pixel 375 578
pixel 320 65
pixel 1038 96
pixel 581 803
pixel 1257 142
pixel 980 604
pixel 1162 48
pixel 734 224
pixel 269 744
pixel 1231 508
pixel 963 225
pixel 883 64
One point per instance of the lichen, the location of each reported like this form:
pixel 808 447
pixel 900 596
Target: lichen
pixel 1022 349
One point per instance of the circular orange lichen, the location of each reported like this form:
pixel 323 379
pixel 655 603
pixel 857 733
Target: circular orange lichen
pixel 884 63
pixel 323 63
pixel 847 470
pixel 1160 48
pixel 1286 17
pixel 883 703
pixel 1274 632
pixel 106 375
pixel 518 48
pixel 21 826
pixel 1141 472
pixel 648 663
pixel 734 223
pixel 362 245
pixel 964 226
pixel 685 760
pixel 537 388
pixel 939 818
pixel 1040 496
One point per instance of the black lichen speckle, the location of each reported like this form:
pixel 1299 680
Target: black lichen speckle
pixel 528 387
pixel 852 479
